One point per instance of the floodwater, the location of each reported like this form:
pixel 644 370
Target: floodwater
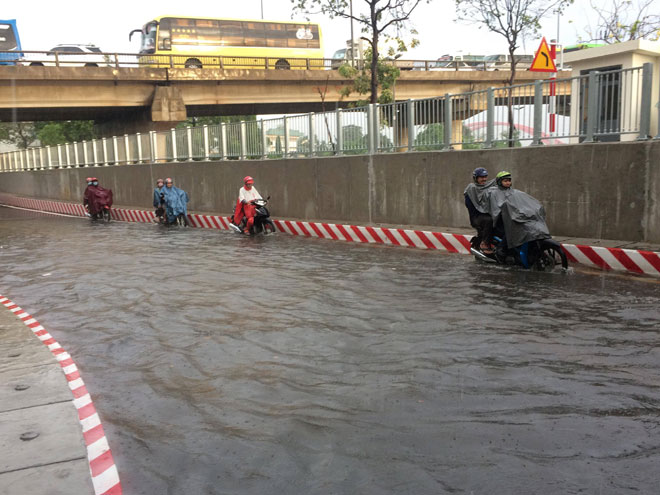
pixel 282 365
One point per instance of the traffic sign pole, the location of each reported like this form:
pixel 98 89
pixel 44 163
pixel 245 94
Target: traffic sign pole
pixel 553 88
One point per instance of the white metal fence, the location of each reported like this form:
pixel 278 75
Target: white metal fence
pixel 597 106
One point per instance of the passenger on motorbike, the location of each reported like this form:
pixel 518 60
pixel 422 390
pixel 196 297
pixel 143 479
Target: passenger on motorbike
pixel 503 182
pixel 476 201
pixel 176 202
pixel 520 232
pixel 96 197
pixel 245 204
pixel 159 200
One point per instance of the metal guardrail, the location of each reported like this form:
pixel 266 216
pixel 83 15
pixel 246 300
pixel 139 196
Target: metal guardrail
pixel 597 106
pixel 117 60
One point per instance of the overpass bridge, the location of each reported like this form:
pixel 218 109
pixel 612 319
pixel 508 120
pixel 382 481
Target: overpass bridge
pixel 138 99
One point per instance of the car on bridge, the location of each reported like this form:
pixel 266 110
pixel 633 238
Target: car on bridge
pixel 69 55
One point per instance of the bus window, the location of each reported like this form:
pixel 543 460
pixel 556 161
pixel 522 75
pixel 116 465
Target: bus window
pixel 275 34
pixel 231 33
pixel 255 34
pixel 302 36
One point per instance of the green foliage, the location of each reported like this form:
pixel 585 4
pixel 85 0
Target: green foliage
pixel 431 138
pixel 625 20
pixel 381 18
pixel 215 120
pixel 24 134
pixel 53 133
pixel 387 75
pixel 20 134
pixel 353 138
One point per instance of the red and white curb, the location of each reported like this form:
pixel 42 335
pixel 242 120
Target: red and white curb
pixel 618 259
pixel 105 477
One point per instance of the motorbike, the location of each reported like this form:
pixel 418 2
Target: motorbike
pixel 521 236
pixel 540 254
pixel 102 215
pixel 262 222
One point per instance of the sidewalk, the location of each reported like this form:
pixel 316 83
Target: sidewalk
pixel 36 403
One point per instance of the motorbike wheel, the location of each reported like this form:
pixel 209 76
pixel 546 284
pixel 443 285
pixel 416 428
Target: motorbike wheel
pixel 269 226
pixel 182 220
pixel 551 255
pixel 106 216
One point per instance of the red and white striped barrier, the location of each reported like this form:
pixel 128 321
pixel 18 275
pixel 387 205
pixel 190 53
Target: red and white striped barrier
pixel 630 260
pixel 105 477
pixel 617 259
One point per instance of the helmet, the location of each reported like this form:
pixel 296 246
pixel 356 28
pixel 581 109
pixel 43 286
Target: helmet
pixel 479 172
pixel 93 178
pixel 88 179
pixel 169 180
pixel 159 180
pixel 501 176
pixel 247 179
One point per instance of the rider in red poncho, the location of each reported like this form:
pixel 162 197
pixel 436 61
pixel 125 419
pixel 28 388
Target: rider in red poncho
pixel 96 197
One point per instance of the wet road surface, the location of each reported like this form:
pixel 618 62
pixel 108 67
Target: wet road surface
pixel 228 365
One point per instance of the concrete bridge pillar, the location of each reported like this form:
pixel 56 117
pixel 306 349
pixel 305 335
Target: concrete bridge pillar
pixel 167 109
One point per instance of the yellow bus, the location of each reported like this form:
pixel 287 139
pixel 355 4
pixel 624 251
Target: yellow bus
pixel 195 42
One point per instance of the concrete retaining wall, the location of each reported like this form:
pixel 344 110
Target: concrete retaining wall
pixel 603 190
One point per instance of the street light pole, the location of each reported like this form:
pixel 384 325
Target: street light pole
pixel 352 38
pixel 262 9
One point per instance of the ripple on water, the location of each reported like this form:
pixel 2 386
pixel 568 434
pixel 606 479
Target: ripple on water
pixel 292 365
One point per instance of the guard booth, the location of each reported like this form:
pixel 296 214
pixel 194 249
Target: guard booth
pixel 615 91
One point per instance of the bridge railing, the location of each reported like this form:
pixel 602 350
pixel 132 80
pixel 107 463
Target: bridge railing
pixel 203 61
pixel 605 106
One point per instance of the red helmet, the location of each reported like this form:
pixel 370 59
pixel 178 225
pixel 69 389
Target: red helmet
pixel 247 179
pixel 88 179
pixel 93 178
pixel 169 180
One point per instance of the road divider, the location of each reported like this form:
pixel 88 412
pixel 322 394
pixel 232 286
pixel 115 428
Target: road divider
pixel 617 259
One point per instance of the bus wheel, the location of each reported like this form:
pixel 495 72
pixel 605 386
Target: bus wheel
pixel 91 65
pixel 36 64
pixel 193 63
pixel 282 65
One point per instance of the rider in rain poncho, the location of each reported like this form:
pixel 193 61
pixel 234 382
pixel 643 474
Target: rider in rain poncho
pixel 520 215
pixel 476 201
pixel 95 197
pixel 176 201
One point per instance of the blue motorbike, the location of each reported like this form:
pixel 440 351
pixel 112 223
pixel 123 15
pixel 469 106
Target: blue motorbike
pixel 541 254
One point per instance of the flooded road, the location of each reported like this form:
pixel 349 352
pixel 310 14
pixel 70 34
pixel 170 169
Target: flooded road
pixel 282 365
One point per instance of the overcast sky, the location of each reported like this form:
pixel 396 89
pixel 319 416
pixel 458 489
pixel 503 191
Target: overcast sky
pixel 44 24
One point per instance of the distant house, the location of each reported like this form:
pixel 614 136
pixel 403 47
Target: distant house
pixel 275 135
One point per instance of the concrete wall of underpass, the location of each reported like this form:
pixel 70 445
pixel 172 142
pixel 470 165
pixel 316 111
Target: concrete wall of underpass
pixel 602 190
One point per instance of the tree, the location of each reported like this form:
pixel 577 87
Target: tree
pixel 215 120
pixel 353 138
pixel 20 134
pixel 625 20
pixel 386 75
pixel 430 138
pixel 515 20
pixel 53 133
pixel 384 16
